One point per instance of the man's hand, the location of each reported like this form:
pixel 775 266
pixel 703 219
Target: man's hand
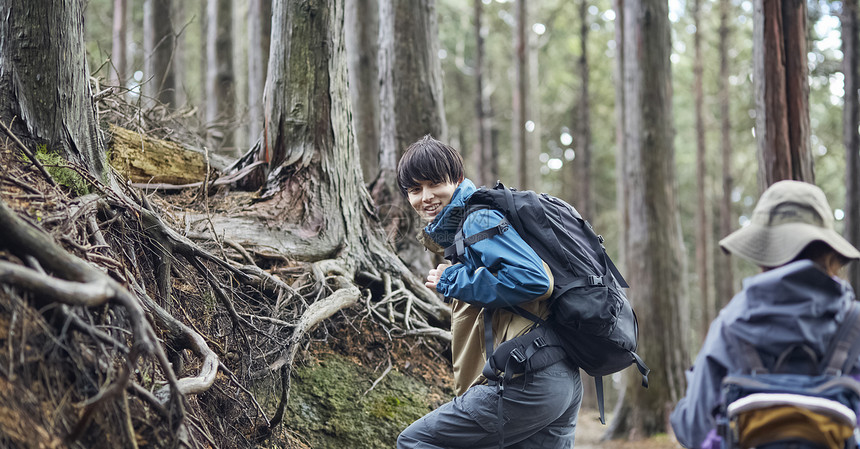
pixel 434 275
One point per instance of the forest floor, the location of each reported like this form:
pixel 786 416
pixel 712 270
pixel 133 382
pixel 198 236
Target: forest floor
pixel 354 384
pixel 589 432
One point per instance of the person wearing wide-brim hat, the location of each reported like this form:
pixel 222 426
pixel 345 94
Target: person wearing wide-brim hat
pixel 789 216
pixel 798 299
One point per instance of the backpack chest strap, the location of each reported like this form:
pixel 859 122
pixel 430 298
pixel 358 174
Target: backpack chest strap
pixel 454 253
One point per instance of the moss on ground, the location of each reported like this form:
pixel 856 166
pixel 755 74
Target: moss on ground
pixel 328 405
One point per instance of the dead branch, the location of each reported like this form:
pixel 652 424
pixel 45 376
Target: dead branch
pixel 109 393
pixel 315 314
pixel 24 240
pixel 347 295
pixel 91 286
pixel 189 339
pixel 379 379
pixel 29 154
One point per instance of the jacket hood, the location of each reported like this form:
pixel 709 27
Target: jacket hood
pixel 443 228
pixel 792 304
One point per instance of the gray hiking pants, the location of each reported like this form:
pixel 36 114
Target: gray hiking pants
pixel 543 415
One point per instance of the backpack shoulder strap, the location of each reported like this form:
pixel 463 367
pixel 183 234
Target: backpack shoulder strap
pixel 597 245
pixel 455 252
pixel 749 357
pixel 844 348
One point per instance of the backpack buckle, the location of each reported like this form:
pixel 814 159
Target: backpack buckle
pixel 540 342
pixel 595 280
pixel 503 226
pixel 518 355
pixel 600 238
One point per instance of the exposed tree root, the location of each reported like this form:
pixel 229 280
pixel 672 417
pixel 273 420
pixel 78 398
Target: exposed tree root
pixel 156 313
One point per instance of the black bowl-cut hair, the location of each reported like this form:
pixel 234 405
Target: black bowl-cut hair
pixel 428 160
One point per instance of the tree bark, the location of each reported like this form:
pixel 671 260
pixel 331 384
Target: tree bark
pixel 44 80
pixel 782 91
pixel 522 164
pixel 483 159
pixel 410 78
pixel 259 33
pixel 315 205
pixel 220 78
pixel 584 201
pixel 703 222
pixel 850 136
pixel 119 44
pixel 654 261
pixel 159 42
pixel 411 106
pixel 621 185
pixel 723 263
pixel 362 48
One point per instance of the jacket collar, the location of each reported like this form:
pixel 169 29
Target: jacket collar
pixel 802 280
pixel 442 229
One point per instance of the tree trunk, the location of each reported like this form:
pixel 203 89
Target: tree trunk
pixel 654 260
pixel 621 185
pixel 850 136
pixel 119 45
pixel 178 64
pixel 584 203
pixel 315 206
pixel 362 48
pixel 320 198
pixel 259 32
pixel 703 222
pixel 220 79
pixel 159 43
pixel 410 80
pixel 723 263
pixel 483 159
pixel 44 80
pixel 522 164
pixel 782 91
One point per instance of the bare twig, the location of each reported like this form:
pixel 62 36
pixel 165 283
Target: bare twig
pixel 379 379
pixel 28 153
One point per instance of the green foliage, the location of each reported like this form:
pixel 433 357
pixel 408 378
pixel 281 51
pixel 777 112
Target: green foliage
pixel 328 404
pixel 59 170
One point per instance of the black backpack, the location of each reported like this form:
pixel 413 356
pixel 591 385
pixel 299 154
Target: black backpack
pixel 590 316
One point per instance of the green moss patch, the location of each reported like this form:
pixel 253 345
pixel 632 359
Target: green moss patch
pixel 328 405
pixel 59 170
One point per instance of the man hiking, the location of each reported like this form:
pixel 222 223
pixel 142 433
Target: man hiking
pixel 539 407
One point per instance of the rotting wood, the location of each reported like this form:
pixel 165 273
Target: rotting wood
pixel 144 159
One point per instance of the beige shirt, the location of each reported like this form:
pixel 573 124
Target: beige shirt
pixel 467 335
pixel 467 329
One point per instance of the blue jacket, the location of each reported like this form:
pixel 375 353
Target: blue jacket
pixel 497 272
pixel 794 304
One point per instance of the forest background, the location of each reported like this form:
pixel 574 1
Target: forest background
pixel 553 128
pixel 529 94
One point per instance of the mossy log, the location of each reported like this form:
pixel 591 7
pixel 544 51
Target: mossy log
pixel 144 159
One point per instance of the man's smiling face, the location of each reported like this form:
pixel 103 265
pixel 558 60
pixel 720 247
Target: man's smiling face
pixel 429 198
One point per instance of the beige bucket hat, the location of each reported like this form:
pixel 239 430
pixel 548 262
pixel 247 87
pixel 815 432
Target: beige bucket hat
pixel 789 215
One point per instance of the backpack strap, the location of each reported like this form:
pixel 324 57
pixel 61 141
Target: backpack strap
pixel 455 252
pixel 845 346
pixel 509 197
pixel 525 354
pixel 597 245
pixel 787 362
pixel 749 357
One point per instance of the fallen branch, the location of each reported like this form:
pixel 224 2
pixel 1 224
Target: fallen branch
pixel 29 154
pixel 342 298
pixel 379 379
